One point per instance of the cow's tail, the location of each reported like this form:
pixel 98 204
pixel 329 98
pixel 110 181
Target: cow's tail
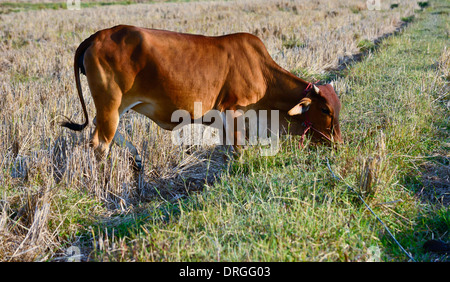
pixel 78 65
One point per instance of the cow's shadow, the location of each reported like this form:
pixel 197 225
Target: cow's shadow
pixel 69 156
pixel 159 194
pixel 198 168
pixel 131 198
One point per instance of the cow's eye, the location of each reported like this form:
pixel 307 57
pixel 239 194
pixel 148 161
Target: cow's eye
pixel 325 111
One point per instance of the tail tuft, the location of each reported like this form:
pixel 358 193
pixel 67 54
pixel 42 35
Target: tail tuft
pixel 73 125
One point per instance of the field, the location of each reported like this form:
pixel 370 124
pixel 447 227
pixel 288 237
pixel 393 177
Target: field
pixel 390 67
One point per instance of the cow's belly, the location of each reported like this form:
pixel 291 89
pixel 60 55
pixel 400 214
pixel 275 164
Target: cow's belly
pixel 162 119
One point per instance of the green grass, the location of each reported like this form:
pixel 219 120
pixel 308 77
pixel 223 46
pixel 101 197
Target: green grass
pixel 293 43
pixel 288 207
pixel 8 7
pixel 366 45
pixel 408 19
pixel 11 7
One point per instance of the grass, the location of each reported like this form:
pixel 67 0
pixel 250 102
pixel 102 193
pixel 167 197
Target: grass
pixel 408 19
pixel 365 45
pixel 288 208
pixel 11 7
pixel 282 208
pixel 293 43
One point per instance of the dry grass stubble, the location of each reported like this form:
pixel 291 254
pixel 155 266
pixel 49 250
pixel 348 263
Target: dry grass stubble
pixel 39 160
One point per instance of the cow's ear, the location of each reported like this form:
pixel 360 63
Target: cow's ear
pixel 301 107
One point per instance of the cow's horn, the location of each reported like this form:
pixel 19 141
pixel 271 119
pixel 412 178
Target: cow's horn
pixel 316 89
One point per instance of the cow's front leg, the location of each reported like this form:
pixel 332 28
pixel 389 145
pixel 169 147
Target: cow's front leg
pixel 234 131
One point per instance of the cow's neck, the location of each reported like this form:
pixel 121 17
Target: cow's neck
pixel 285 88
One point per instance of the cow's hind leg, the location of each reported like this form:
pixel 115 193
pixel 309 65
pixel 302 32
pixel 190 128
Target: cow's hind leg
pixel 136 160
pixel 101 147
pixel 106 126
pixel 107 103
pixel 118 139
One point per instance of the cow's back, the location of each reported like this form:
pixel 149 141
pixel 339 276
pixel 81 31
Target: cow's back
pixel 179 69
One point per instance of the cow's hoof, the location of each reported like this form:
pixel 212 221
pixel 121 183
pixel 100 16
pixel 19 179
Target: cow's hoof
pixel 136 163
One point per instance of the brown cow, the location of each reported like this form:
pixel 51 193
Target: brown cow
pixel 156 72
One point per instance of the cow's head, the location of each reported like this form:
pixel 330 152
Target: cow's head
pixel 320 107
